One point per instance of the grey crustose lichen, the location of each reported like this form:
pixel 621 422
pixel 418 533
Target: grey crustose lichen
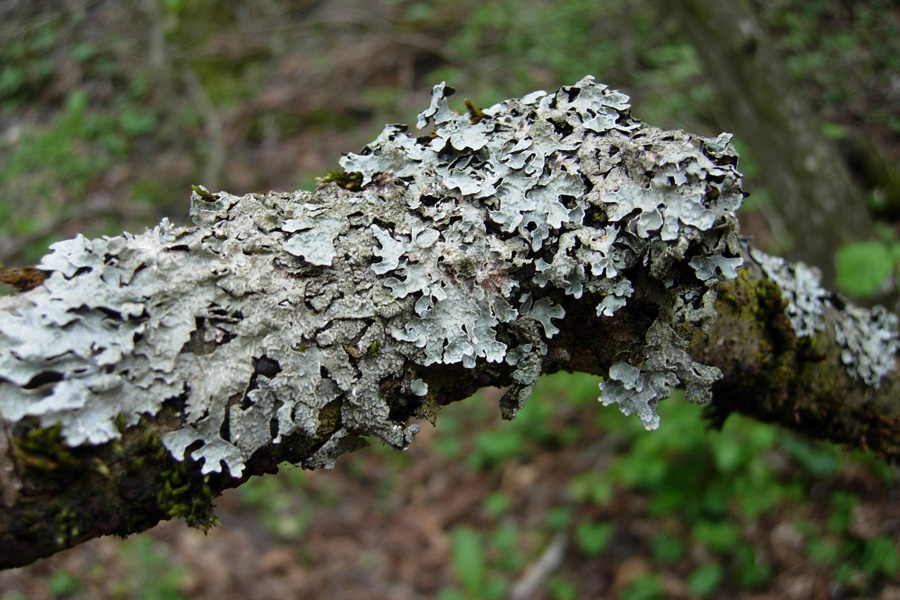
pixel 458 249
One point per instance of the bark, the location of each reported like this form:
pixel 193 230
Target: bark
pixel 148 373
pixel 817 206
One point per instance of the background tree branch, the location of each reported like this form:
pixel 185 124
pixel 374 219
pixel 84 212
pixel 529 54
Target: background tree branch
pixel 819 205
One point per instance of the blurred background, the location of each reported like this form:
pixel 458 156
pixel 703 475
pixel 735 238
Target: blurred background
pixel 111 109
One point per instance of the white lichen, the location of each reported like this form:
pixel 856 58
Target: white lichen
pixel 870 341
pixel 462 247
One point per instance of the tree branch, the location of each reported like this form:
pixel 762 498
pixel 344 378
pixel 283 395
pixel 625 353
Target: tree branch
pixel 148 373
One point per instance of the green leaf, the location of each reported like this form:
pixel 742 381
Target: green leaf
pixel 497 504
pixel 468 558
pixel 842 505
pixel 76 103
pixel 593 538
pixel 666 548
pixel 558 517
pixel 881 554
pixel 718 536
pixel 451 594
pixel 592 486
pixel 560 589
pixel 82 52
pixel 819 460
pixel 752 570
pixel 62 583
pixel 823 551
pixel 863 267
pixel 136 122
pixel 644 587
pixel 704 580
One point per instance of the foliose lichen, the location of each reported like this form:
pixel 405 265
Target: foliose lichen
pixel 869 338
pixel 457 247
pixel 800 286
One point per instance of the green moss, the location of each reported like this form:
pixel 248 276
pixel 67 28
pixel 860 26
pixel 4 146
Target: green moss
pixel 42 450
pixel 759 301
pixel 66 523
pixel 187 496
pixel 184 493
pixel 349 181
pixel 329 418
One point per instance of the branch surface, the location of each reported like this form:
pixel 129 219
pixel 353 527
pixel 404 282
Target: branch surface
pixel 553 232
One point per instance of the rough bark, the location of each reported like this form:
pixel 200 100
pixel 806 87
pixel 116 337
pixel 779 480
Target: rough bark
pixel 817 206
pixel 148 373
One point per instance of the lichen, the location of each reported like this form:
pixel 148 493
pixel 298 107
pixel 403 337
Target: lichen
pixel 869 339
pixel 458 248
pixel 800 286
pixel 870 342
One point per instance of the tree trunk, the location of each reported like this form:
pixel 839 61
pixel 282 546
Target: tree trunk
pixel 148 373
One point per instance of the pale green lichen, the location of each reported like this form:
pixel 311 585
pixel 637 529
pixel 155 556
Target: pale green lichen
pixel 457 248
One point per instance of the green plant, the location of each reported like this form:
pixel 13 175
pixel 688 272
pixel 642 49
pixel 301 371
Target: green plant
pixel 558 517
pixel 718 536
pixel 63 584
pixel 506 548
pixel 864 267
pixel 644 587
pixel 27 67
pixel 451 594
pixel 666 548
pixel 842 504
pixel 751 570
pixel 705 579
pixel 282 505
pixel 494 446
pixel 843 59
pixel 496 504
pixel 467 549
pixel 592 486
pixel 881 556
pixel 593 538
pixel 823 551
pixel 561 589
pixel 152 574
